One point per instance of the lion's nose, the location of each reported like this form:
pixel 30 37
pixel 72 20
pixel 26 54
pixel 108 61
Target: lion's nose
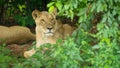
pixel 49 28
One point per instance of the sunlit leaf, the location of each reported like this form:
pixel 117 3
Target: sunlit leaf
pixel 51 9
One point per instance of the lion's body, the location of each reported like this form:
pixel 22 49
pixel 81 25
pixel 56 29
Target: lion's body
pixel 15 34
pixel 48 29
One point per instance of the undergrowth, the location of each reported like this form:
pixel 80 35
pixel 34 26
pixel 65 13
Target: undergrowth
pixel 85 48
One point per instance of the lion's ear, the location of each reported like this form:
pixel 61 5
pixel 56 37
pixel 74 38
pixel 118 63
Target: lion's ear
pixel 54 12
pixel 35 14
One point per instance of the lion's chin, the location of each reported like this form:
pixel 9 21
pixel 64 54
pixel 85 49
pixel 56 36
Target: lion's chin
pixel 48 34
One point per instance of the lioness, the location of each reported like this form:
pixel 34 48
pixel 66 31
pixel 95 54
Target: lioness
pixel 48 29
pixel 15 34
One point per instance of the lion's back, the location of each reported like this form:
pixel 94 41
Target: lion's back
pixel 15 34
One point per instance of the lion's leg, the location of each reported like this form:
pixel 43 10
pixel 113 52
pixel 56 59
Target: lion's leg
pixel 29 53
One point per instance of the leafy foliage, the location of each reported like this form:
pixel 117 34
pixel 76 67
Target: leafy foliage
pixel 6 58
pixel 21 10
pixel 85 49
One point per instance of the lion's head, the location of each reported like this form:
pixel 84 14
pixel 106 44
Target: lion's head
pixel 46 22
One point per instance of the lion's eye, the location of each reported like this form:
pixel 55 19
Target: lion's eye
pixel 52 20
pixel 42 21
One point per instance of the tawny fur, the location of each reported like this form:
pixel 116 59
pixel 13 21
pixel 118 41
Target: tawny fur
pixel 48 29
pixel 15 35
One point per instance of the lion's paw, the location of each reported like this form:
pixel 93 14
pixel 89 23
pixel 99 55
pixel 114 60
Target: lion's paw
pixel 28 54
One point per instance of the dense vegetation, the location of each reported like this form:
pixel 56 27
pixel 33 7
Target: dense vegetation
pixel 94 44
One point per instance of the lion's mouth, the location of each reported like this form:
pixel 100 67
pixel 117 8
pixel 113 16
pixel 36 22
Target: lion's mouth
pixel 49 32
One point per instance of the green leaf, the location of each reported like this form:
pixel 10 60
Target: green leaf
pixel 100 26
pixel 114 13
pixel 59 5
pixel 51 9
pixel 93 7
pixel 84 42
pixel 119 17
pixel 66 7
pixel 104 19
pixel 21 7
pixel 50 4
pixel 109 20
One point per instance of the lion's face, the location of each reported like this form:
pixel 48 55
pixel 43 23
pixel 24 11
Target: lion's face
pixel 45 22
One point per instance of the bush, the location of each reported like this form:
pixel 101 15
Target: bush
pixel 58 56
pixel 87 48
pixel 94 44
